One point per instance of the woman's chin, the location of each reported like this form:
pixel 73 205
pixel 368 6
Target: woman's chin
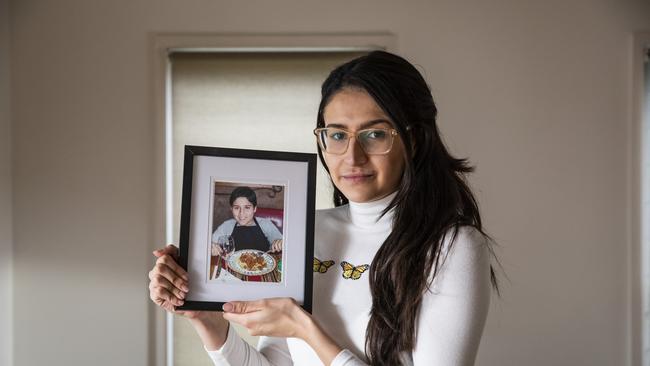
pixel 358 191
pixel 360 197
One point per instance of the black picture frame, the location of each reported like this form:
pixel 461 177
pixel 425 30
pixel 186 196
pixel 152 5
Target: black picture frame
pixel 296 261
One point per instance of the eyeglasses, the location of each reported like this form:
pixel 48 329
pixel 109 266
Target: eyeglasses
pixel 373 141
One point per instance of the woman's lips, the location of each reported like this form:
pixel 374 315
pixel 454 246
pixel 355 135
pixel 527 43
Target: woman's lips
pixel 357 177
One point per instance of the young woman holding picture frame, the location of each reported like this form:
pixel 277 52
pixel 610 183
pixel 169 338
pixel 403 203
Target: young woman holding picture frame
pixel 402 266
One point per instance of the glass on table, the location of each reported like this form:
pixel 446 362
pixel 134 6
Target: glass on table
pixel 222 248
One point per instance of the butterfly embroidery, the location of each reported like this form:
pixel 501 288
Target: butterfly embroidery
pixel 322 267
pixel 350 271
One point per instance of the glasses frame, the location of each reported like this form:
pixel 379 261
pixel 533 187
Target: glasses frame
pixel 391 132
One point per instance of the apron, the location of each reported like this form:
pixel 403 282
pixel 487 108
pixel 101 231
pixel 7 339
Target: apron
pixel 250 237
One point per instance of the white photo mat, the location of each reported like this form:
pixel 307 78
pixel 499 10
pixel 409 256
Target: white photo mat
pixel 293 175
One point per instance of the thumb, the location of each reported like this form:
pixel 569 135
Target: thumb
pixel 240 307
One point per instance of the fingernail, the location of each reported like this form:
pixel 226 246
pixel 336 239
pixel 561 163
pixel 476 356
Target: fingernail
pixel 182 295
pixel 185 288
pixel 227 307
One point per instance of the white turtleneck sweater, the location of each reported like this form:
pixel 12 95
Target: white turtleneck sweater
pixel 452 314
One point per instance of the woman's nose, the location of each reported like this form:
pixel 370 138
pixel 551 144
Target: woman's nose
pixel 355 155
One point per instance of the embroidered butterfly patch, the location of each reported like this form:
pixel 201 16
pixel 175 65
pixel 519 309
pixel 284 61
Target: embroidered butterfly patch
pixel 322 267
pixel 353 272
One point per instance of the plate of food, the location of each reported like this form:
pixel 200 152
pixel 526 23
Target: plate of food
pixel 251 262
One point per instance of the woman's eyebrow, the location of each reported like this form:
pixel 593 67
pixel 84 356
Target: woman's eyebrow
pixel 363 125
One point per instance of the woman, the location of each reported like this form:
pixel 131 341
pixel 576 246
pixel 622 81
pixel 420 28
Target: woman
pixel 411 284
pixel 248 231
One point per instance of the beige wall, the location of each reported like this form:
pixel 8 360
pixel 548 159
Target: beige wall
pixel 534 92
pixel 6 240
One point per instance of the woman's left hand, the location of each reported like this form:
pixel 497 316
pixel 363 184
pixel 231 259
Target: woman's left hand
pixel 282 317
pixel 277 317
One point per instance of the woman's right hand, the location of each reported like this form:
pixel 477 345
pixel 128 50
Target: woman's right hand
pixel 168 287
pixel 168 281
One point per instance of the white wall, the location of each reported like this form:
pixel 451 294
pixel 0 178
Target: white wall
pixel 535 93
pixel 6 239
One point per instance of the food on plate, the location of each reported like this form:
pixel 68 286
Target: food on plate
pixel 252 261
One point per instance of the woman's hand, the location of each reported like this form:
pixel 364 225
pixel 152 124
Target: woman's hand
pixel 168 284
pixel 276 246
pixel 282 317
pixel 279 317
pixel 168 287
pixel 168 281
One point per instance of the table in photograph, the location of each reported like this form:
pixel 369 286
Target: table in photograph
pixel 274 276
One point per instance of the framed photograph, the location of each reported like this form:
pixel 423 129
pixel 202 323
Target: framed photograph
pixel 247 226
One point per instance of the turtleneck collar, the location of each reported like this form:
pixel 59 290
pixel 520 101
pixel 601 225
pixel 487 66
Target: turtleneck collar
pixel 365 214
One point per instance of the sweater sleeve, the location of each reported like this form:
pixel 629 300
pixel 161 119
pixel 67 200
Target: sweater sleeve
pixel 453 312
pixel 271 351
pixel 347 358
pixel 224 229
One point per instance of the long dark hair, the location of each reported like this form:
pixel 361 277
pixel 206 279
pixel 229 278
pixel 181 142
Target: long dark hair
pixel 433 199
